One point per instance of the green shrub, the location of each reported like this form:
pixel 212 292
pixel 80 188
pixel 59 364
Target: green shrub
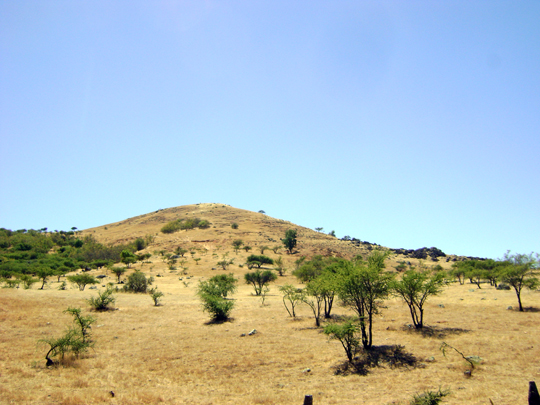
pixel 234 225
pixel 218 307
pixel 184 224
pixel 28 281
pixel 171 227
pixel 156 295
pixel 76 340
pixel 138 282
pixel 103 300
pixel 220 285
pixel 429 397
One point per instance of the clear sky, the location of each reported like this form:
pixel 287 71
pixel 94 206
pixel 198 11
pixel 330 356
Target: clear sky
pixel 403 123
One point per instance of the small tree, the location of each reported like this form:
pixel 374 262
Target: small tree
pixel 258 260
pixel 263 248
pixel 236 245
pixel 289 241
pixel 519 273
pixel 224 262
pixel 280 266
pixel 414 288
pixel 28 281
pixel 314 298
pixel 82 280
pixel 43 274
pixel 180 251
pixel 292 296
pixel 362 288
pixel 76 339
pixel 127 257
pixel 345 333
pixel 137 282
pixel 260 279
pixel 118 271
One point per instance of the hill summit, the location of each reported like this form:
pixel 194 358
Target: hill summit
pixel 255 229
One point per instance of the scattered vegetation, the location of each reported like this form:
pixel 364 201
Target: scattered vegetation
pixel 185 224
pixel 76 340
pixel 103 300
pixel 260 279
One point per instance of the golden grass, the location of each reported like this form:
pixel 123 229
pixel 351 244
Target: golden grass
pixel 171 355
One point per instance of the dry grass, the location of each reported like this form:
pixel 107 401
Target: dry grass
pixel 171 355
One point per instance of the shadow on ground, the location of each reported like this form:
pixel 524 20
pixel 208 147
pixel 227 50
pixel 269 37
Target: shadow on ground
pixel 435 331
pixel 392 356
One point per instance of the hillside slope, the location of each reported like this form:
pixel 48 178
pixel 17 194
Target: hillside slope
pixel 254 229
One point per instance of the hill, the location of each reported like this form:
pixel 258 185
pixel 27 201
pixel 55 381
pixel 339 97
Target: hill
pixel 255 229
pixel 172 354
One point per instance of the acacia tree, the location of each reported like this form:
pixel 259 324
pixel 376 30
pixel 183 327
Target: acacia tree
pixel 414 288
pixel 258 260
pixel 314 298
pixel 82 280
pixel 43 273
pixel 127 257
pixel 362 287
pixel 519 273
pixel 260 279
pixel 236 245
pixel 294 296
pixel 289 241
pixel 118 271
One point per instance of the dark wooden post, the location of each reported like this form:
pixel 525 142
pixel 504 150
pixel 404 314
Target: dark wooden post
pixel 308 400
pixel 534 398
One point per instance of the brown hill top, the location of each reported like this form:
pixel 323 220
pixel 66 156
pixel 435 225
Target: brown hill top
pixel 255 229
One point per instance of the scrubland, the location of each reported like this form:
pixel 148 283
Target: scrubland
pixel 172 354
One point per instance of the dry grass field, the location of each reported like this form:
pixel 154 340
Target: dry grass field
pixel 171 354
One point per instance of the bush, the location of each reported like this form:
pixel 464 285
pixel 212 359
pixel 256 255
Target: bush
pixel 103 300
pixel 156 295
pixel 217 306
pixel 181 224
pixel 429 398
pixel 221 285
pixel 171 227
pixel 138 283
pixel 234 225
pixel 346 334
pixel 213 294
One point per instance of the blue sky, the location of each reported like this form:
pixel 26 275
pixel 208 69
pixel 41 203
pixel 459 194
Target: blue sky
pixel 403 123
